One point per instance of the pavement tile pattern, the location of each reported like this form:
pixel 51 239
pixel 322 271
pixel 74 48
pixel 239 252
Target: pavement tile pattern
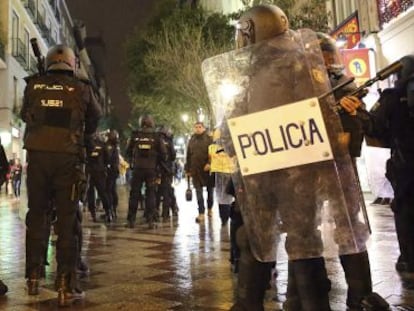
pixel 179 266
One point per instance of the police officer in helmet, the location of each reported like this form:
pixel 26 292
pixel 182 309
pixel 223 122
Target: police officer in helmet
pixel 356 266
pixel 112 147
pixel 145 151
pixel 391 121
pixel 60 113
pixel 257 24
pixel 165 189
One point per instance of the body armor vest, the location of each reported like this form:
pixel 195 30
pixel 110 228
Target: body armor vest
pixel 55 114
pixel 97 160
pixel 145 152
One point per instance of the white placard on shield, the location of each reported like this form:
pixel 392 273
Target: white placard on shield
pixel 281 137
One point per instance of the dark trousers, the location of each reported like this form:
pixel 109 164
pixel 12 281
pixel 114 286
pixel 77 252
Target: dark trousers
pixel 139 177
pixel 52 177
pixel 165 192
pixel 98 181
pixel 403 208
pixel 112 192
pixel 200 198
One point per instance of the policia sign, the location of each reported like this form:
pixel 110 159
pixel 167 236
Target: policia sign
pixel 281 137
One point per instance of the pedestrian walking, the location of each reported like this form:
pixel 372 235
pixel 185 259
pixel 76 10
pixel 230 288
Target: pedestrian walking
pixel 197 166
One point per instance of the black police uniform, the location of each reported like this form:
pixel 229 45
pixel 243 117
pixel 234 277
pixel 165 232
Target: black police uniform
pixel 165 189
pixel 146 150
pixel 392 121
pixel 113 174
pixel 356 266
pixel 97 166
pixel 59 110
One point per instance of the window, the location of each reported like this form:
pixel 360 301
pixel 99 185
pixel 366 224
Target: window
pixel 15 31
pixel 26 41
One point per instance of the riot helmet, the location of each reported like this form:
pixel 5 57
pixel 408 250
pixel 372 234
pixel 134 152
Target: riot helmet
pixel 113 137
pixel 61 57
pixel 260 23
pixel 407 71
pixel 146 121
pixel 165 130
pixel 330 52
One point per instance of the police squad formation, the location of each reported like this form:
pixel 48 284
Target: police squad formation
pixel 292 185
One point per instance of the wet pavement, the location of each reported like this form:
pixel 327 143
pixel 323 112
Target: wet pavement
pixel 178 266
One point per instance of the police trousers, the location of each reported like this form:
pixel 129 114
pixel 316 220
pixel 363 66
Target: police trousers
pixel 52 177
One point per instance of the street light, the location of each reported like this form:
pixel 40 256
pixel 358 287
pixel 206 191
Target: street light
pixel 200 115
pixel 184 117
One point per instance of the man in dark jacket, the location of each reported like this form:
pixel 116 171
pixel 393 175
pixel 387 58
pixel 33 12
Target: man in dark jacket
pixel 60 113
pixel 198 167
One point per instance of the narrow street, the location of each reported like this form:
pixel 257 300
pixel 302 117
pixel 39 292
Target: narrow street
pixel 180 265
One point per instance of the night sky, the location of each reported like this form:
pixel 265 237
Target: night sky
pixel 114 20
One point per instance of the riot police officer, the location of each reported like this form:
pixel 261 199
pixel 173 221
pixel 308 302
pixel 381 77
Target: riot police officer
pixel 356 266
pixel 97 171
pixel 60 112
pixel 145 151
pixel 391 121
pixel 112 147
pixel 258 24
pixel 165 189
pixel 276 74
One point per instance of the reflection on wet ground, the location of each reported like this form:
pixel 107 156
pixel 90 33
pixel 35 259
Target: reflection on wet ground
pixel 178 266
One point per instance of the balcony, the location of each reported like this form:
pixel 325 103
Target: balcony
pixel 30 6
pixel 388 10
pixel 19 52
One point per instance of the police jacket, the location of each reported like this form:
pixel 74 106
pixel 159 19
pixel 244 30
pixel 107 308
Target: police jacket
pixel 113 159
pixel 197 157
pixel 97 157
pixel 350 124
pixel 392 121
pixel 145 149
pixel 167 166
pixel 59 110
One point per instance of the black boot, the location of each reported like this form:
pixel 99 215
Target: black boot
pixel 253 278
pixel 67 290
pixel 32 282
pixel 312 284
pixel 358 277
pixel 3 288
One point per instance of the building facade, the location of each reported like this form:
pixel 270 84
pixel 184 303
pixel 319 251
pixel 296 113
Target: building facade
pixel 50 22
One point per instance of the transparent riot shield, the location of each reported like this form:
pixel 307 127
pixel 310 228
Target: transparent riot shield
pixel 294 175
